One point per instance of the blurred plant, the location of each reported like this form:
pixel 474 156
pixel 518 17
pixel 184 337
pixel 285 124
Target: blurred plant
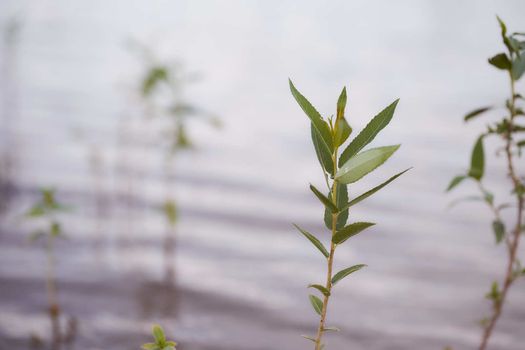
pixel 508 129
pixel 10 42
pixel 47 208
pixel 160 341
pixel 162 88
pixel 340 171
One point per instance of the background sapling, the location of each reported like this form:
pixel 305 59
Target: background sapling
pixel 509 130
pixel 162 90
pixel 339 171
pixel 47 208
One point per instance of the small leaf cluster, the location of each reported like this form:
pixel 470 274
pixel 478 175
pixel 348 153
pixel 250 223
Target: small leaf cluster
pixel 354 163
pixel 162 88
pixel 160 341
pixel 47 207
pixel 510 128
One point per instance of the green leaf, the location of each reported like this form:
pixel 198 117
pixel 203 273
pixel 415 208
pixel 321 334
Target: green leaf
pixel 342 199
pixel 350 231
pixel 36 235
pixel 456 181
pixel 36 211
pixel 345 272
pixel 521 143
pixel 500 61
pixel 322 151
pixel 341 104
pixel 154 76
pixel 150 346
pixel 518 67
pixel 342 131
pixel 372 191
pixel 326 202
pixel 477 162
pixel 316 303
pixel 309 337
pixel 369 132
pixel 158 334
pixel 317 243
pixel 465 199
pixel 55 229
pixel 314 116
pixel 502 26
pixel 363 163
pixel 170 210
pixel 320 288
pixel 499 230
pixel 477 112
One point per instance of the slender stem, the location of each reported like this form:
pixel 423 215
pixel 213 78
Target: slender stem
pixel 330 261
pixel 169 239
pixel 514 241
pixel 54 309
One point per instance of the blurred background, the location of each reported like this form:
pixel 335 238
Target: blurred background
pixel 74 117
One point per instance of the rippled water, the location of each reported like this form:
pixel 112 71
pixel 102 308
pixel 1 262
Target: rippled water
pixel 241 269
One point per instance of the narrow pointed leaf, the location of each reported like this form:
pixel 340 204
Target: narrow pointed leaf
pixel 316 303
pixel 320 288
pixel 518 67
pixel 331 329
pixel 456 181
pixel 326 202
pixel 342 199
pixel 363 163
pixel 372 191
pixel 465 199
pixel 499 230
pixel 503 26
pixel 308 337
pixel 350 231
pixel 150 346
pixel 314 116
pixel 477 112
pixel 322 151
pixel 341 104
pixel 317 243
pixel 369 132
pixel 345 272
pixel 477 161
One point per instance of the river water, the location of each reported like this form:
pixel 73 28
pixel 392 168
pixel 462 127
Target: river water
pixel 72 120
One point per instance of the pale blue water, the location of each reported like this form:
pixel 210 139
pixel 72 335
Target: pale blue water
pixel 72 76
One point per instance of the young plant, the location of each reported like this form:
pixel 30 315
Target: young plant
pixel 340 170
pixel 47 208
pixel 508 129
pixel 160 341
pixel 162 91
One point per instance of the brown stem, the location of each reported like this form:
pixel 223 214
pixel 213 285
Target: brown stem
pixel 516 233
pixel 54 308
pixel 330 262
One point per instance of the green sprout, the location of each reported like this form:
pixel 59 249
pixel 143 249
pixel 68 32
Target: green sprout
pixel 340 171
pixel 508 130
pixel 162 91
pixel 47 208
pixel 160 341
